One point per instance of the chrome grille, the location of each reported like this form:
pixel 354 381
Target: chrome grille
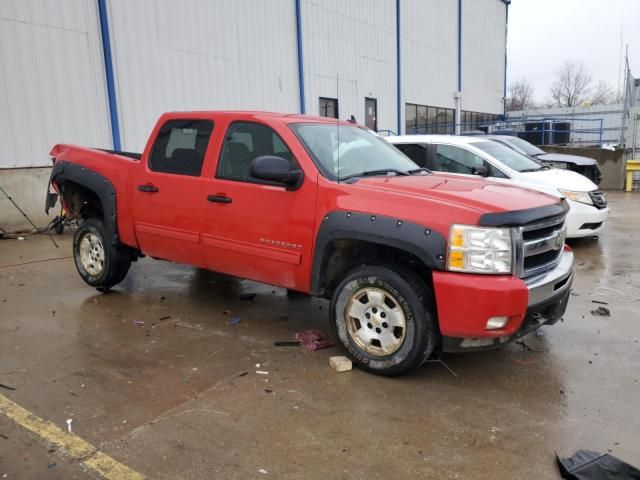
pixel 539 246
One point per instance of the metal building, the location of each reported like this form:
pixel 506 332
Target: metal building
pixel 99 72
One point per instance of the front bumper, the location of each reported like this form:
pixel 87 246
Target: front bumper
pixel 466 302
pixel 585 220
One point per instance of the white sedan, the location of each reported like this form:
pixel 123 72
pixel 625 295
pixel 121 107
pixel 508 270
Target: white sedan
pixel 459 155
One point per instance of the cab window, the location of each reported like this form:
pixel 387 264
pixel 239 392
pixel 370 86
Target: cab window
pixel 180 147
pixel 246 141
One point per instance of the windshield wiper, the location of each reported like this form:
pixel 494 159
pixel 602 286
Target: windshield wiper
pixel 418 170
pixel 382 171
pixel 533 169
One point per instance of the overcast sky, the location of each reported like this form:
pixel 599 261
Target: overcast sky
pixel 545 33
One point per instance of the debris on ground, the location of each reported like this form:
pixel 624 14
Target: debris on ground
pixel 69 420
pixel 268 390
pixel 234 321
pixel 598 301
pixel 262 470
pixel 247 296
pixel 586 465
pixel 243 374
pixel 340 363
pixel 601 312
pixel 314 339
pixel 285 343
pixel 140 323
pixel 4 436
pixel 226 312
pixel 6 387
pixel 164 318
pixel 262 372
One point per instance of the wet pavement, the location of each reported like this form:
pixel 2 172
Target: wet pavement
pixel 153 373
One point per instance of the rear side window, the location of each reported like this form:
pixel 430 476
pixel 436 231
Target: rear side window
pixel 180 147
pixel 246 141
pixel 456 160
pixel 415 151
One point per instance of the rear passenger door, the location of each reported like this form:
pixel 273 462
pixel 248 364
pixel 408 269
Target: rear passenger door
pixel 252 228
pixel 167 199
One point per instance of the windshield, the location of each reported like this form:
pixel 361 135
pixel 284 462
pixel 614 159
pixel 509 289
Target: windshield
pixel 523 145
pixel 350 151
pixel 512 159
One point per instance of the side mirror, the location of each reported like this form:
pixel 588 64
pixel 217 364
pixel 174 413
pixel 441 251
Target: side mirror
pixel 275 169
pixel 480 170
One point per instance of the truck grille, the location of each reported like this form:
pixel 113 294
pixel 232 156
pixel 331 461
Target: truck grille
pixel 598 199
pixel 539 246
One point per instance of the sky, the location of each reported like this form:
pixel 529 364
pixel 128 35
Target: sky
pixel 543 34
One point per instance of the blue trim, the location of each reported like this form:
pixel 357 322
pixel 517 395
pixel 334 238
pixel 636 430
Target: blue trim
pixel 108 68
pixel 300 56
pixel 398 69
pixel 459 45
pixel 506 31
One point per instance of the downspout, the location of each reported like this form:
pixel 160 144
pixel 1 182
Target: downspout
pixel 108 69
pixel 398 71
pixel 300 56
pixel 458 94
pixel 506 31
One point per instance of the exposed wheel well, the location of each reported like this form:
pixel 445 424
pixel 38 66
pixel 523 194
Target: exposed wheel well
pixel 80 201
pixel 341 255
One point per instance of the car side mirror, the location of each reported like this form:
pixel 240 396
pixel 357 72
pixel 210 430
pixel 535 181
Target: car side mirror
pixel 480 170
pixel 276 169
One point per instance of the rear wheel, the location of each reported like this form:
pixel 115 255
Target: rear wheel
pixel 99 263
pixel 384 318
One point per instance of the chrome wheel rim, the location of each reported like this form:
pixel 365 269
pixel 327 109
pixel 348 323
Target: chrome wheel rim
pixel 375 321
pixel 91 254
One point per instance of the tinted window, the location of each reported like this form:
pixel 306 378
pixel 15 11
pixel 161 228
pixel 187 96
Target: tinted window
pixel 329 107
pixel 180 147
pixel 244 142
pixel 456 160
pixel 415 151
pixel 508 157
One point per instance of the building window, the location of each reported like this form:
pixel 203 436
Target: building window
pixel 329 107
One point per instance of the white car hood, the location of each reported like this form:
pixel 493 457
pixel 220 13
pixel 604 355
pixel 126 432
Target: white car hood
pixel 558 178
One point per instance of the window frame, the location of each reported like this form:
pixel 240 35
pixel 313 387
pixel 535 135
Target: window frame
pixel 251 180
pixel 487 163
pixel 337 106
pixel 149 162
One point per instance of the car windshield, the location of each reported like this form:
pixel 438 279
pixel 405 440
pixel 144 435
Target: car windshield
pixel 350 151
pixel 512 159
pixel 523 145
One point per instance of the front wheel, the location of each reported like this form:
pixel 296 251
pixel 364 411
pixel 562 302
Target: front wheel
pixel 99 263
pixel 385 319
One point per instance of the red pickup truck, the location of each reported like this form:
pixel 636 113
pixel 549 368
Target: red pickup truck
pixel 412 261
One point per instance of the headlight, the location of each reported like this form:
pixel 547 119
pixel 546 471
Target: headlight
pixel 479 249
pixel 580 197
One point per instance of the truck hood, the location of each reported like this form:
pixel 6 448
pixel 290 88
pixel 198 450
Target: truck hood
pixel 475 194
pixel 561 157
pixel 558 178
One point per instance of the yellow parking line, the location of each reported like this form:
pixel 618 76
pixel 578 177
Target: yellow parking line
pixel 71 445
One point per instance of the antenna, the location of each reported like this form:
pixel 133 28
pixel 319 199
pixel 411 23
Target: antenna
pixel 338 120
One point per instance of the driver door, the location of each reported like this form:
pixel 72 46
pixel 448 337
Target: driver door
pixel 252 228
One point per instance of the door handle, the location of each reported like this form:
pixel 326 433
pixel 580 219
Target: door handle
pixel 148 188
pixel 219 199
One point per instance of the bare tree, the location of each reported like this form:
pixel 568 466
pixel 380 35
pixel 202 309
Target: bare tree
pixel 520 96
pixel 571 86
pixel 602 94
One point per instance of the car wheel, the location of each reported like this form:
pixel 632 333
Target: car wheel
pixel 99 263
pixel 384 317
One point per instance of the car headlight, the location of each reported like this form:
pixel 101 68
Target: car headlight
pixel 580 197
pixel 480 249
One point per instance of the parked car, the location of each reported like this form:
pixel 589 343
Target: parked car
pixel 582 165
pixel 412 261
pixel 477 156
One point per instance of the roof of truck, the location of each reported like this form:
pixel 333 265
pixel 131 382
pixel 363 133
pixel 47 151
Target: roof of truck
pixel 286 117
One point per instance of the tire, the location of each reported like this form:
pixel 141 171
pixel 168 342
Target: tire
pixel 99 263
pixel 408 336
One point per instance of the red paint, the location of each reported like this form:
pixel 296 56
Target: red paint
pixel 267 233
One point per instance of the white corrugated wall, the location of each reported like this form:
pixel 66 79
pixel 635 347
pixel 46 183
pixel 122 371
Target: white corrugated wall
pixel 201 55
pixel 483 53
pixel 52 82
pixel 350 54
pixel 430 51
